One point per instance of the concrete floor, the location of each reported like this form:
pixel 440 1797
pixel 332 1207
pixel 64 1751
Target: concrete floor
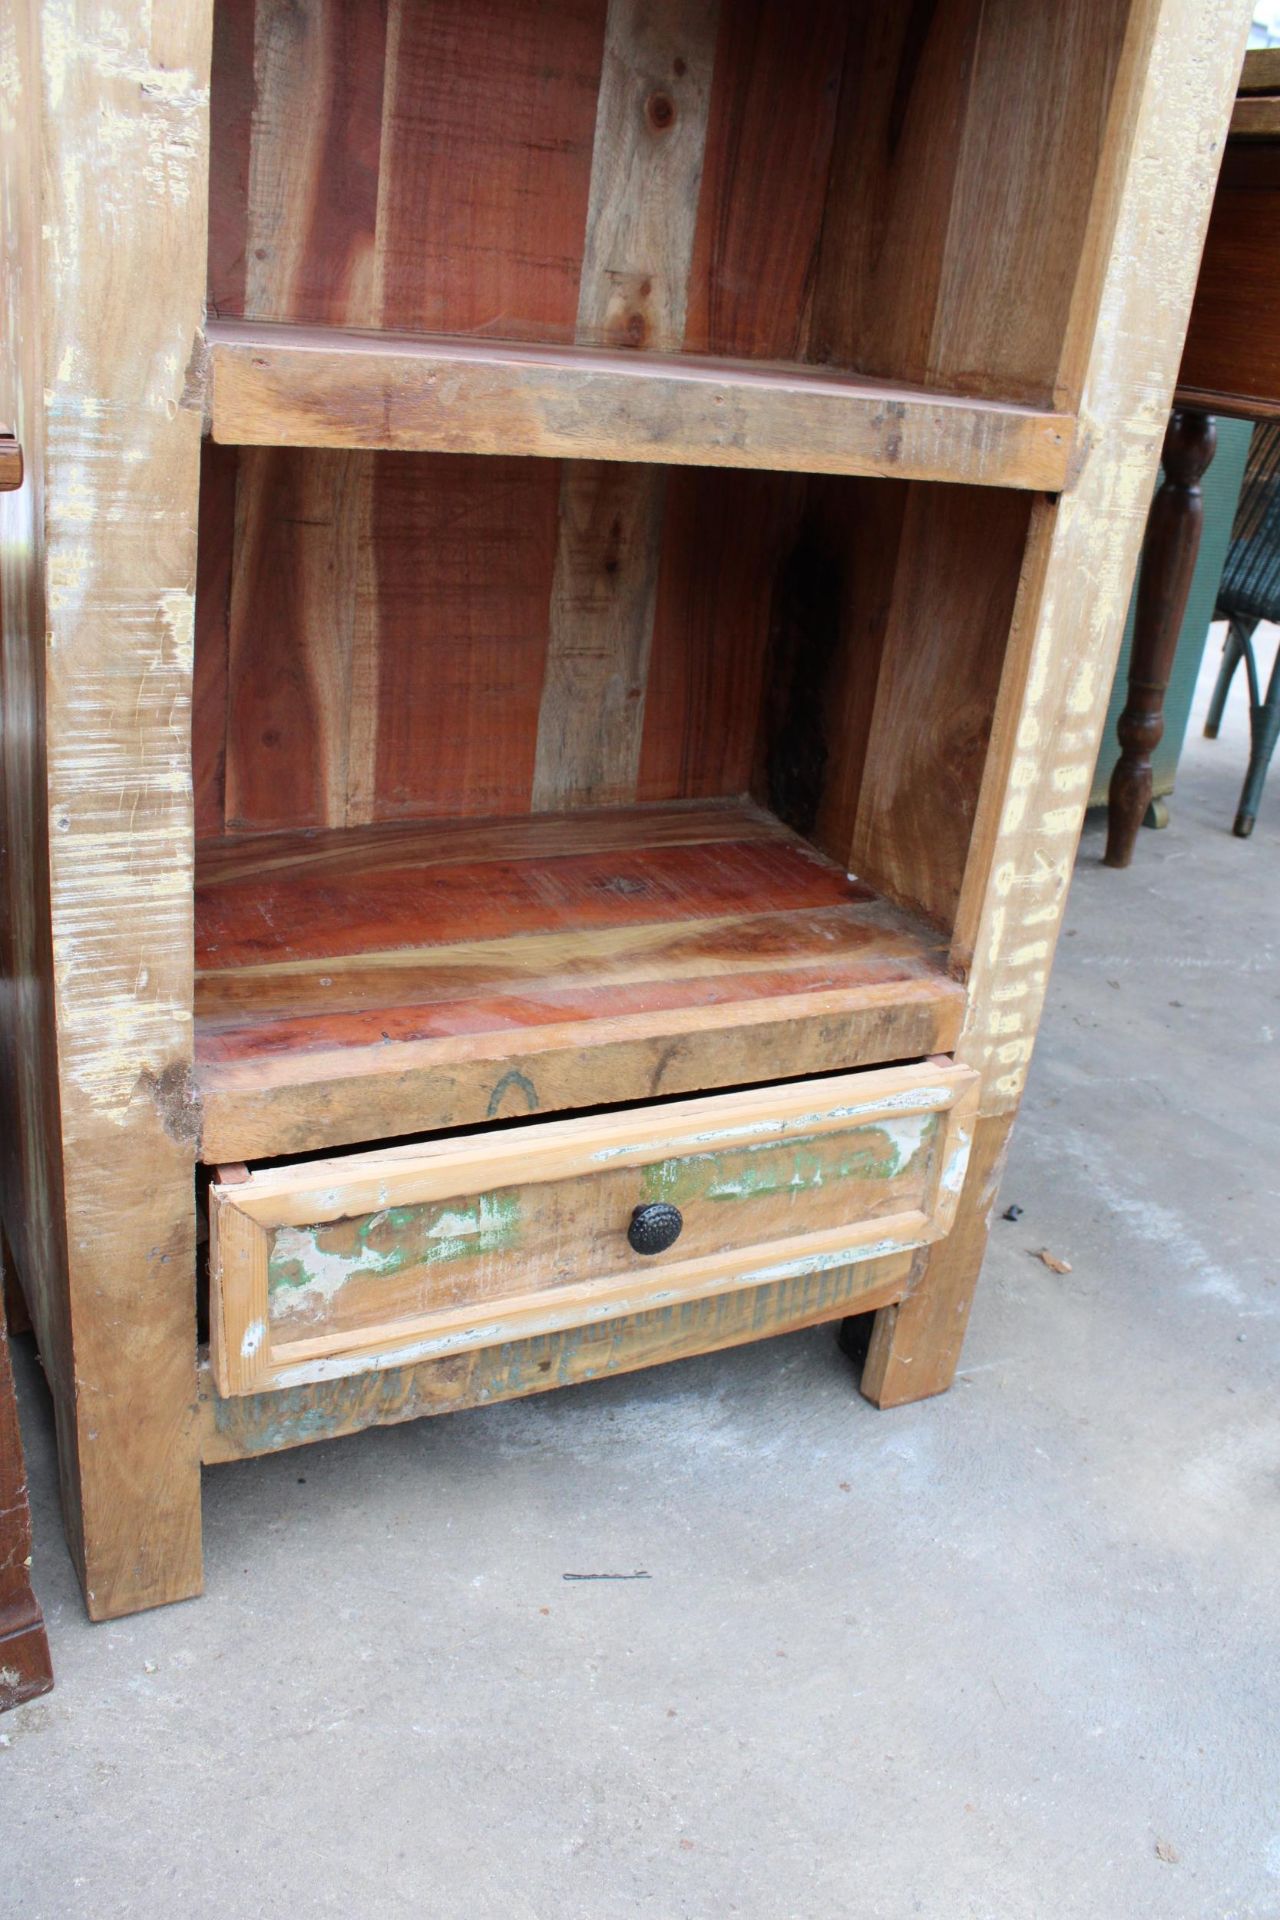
pixel 994 1655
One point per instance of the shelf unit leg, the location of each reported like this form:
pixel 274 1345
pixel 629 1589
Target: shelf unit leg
pixel 915 1346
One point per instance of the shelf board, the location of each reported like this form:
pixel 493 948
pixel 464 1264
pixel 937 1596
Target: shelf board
pixel 365 983
pixel 292 386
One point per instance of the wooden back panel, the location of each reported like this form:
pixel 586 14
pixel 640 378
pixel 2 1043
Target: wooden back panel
pixel 895 186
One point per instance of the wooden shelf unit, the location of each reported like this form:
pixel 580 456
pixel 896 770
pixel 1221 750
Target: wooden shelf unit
pixel 577 604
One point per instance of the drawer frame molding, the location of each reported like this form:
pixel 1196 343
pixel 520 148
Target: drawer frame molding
pixel 246 1213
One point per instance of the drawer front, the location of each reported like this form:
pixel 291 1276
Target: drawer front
pixel 383 1258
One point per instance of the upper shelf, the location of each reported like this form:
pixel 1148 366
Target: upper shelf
pixel 301 387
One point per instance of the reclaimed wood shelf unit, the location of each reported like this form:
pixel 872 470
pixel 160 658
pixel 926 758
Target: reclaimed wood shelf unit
pixel 554 642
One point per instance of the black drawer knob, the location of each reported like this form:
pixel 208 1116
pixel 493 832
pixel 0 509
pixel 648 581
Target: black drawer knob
pixel 654 1228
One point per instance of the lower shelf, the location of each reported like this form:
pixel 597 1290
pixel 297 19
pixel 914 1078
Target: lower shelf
pixel 362 984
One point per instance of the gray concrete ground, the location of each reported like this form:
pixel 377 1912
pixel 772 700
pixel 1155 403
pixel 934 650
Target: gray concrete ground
pixel 1012 1653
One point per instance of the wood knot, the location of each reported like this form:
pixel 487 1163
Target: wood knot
pixel 660 112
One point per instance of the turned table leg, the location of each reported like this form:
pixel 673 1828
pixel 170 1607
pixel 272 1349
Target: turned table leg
pixel 1168 562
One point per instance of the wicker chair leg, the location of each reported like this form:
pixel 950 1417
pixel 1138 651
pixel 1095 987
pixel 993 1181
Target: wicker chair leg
pixel 1264 731
pixel 1239 634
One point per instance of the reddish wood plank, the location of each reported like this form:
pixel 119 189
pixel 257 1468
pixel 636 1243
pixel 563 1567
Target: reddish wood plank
pixel 292 916
pixel 313 172
pixel 298 589
pixel 216 539
pixel 465 550
pixel 487 163
pixel 231 94
pixel 773 108
pixel 723 539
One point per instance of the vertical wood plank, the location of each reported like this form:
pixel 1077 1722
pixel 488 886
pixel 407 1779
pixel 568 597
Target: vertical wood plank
pixel 1025 182
pixel 646 170
pixel 486 165
pixel 124 143
pixel 723 540
pixel 954 592
pixel 300 590
pixel 903 104
pixel 772 123
pixel 465 548
pixel 219 467
pixel 314 161
pixel 832 607
pixel 230 141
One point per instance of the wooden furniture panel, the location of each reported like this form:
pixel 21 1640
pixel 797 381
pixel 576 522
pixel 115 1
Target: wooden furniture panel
pixel 382 1258
pixel 358 985
pixel 928 264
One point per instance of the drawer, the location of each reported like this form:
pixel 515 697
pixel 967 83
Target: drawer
pixel 381 1258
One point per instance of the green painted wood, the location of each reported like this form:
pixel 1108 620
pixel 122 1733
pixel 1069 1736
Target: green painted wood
pixel 1221 490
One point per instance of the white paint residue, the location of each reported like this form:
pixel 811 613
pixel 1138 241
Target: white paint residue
pixel 927 1099
pixel 254 1335
pixel 327 1273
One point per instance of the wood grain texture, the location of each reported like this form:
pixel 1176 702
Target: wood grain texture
pixel 368 1261
pixel 1257 119
pixel 246 1426
pixel 1173 91
pixel 645 171
pixel 465 552
pixel 314 154
pixel 282 388
pixel 764 182
pixel 10 462
pixel 302 604
pixel 1229 363
pixel 486 150
pixel 123 237
pixel 935 698
pixel 389 981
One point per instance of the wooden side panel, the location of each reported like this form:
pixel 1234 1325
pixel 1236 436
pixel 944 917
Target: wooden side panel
pixel 248 1425
pixel 125 103
pixel 723 541
pixel 1025 180
pixel 832 602
pixel 465 552
pixel 902 114
pixel 491 111
pixel 1226 353
pixel 957 577
pixel 765 180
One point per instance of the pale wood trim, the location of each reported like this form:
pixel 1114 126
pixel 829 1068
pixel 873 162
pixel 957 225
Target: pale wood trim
pixel 284 386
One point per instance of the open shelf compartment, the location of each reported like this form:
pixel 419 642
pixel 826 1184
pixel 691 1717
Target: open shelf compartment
pixel 368 983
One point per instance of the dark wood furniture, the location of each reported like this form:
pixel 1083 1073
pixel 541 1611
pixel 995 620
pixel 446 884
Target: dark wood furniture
pixel 1230 365
pixel 25 1668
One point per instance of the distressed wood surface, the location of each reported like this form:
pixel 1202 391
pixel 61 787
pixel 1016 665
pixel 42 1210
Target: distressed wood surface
pixel 645 173
pixel 1174 86
pixel 294 387
pixel 320 1269
pixel 10 462
pixel 123 97
pixel 244 1426
pixel 394 980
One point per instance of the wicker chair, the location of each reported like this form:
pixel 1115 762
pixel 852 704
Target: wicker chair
pixel 1250 592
